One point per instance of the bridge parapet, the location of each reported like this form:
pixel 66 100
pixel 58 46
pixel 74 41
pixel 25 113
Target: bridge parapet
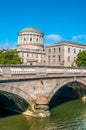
pixel 39 71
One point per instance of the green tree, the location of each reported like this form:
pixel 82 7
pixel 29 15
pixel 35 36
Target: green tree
pixel 9 57
pixel 81 59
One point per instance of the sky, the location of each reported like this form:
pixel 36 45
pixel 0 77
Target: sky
pixel 58 19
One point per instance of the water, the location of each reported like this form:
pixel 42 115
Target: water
pixel 67 116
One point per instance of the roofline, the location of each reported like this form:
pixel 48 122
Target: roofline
pixel 38 31
pixel 65 41
pixel 30 32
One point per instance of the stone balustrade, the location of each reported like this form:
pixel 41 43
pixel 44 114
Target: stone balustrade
pixel 10 70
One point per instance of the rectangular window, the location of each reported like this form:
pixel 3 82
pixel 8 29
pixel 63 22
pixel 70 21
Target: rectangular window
pixel 53 56
pixel 74 51
pixel 54 50
pixel 59 58
pixel 49 59
pixel 24 39
pixel 30 39
pixel 37 39
pixel 59 49
pixel 68 50
pixel 68 58
pixel 27 54
pixel 54 60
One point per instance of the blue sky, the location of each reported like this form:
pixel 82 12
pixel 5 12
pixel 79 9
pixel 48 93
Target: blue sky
pixel 57 19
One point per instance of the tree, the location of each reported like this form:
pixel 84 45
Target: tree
pixel 81 59
pixel 9 57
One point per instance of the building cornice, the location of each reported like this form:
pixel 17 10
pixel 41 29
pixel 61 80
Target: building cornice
pixel 31 51
pixel 67 43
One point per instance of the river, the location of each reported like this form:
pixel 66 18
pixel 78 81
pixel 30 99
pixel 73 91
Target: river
pixel 67 116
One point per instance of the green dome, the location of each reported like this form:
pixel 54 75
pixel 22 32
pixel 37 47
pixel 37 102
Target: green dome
pixel 30 29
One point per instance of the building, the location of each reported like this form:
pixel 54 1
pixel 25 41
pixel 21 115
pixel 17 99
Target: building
pixel 63 53
pixel 31 47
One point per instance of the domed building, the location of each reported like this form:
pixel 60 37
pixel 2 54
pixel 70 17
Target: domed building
pixel 30 46
pixel 31 49
pixel 30 38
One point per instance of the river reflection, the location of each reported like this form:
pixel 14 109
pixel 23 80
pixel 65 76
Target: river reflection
pixel 67 116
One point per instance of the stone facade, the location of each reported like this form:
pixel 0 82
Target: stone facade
pixel 31 50
pixel 63 53
pixel 30 46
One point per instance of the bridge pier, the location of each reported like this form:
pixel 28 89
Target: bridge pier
pixel 39 111
pixel 84 98
pixel 42 110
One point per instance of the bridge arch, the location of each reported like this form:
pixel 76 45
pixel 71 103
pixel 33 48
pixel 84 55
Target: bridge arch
pixel 62 83
pixel 18 92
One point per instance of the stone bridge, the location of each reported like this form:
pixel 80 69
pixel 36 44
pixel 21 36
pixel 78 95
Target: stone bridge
pixel 30 89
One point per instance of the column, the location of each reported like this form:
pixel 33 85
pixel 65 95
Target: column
pixel 18 40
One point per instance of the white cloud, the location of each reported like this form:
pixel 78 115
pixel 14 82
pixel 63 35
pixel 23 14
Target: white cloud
pixel 75 38
pixel 53 37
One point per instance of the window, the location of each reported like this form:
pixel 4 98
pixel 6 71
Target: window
pixel 30 39
pixel 27 54
pixel 68 50
pixel 74 51
pixel 54 50
pixel 37 39
pixel 54 60
pixel 49 59
pixel 24 39
pixel 59 58
pixel 59 49
pixel 68 58
pixel 53 56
